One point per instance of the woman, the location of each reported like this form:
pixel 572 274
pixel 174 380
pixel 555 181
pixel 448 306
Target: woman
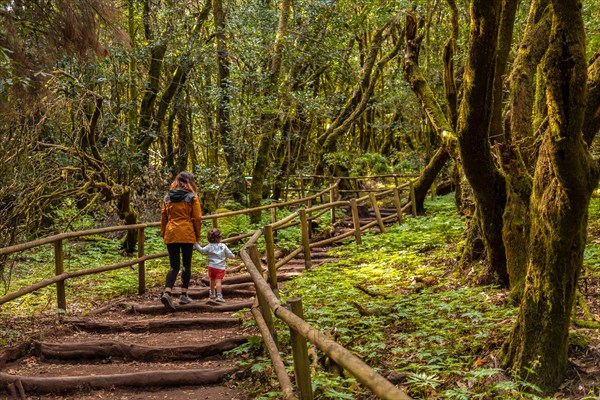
pixel 180 226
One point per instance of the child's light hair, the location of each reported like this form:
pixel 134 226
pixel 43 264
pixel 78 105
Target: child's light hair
pixel 213 235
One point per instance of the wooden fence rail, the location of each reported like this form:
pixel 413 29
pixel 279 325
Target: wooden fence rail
pixel 57 241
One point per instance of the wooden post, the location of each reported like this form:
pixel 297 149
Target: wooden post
pixel 274 219
pixel 264 306
pixel 141 264
pixel 332 199
pixel 300 354
pixel 413 202
pixel 396 180
pixel 398 204
pixel 215 223
pixel 301 187
pixel 270 245
pixel 273 215
pixel 305 238
pixel 355 221
pixel 377 213
pixel 59 268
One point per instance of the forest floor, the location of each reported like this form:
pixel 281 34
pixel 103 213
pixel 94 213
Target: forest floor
pixel 397 301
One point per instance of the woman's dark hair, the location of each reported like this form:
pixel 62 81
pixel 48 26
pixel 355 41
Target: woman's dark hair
pixel 213 235
pixel 184 180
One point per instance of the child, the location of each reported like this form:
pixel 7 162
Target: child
pixel 217 253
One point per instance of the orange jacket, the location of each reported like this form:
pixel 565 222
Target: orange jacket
pixel 181 217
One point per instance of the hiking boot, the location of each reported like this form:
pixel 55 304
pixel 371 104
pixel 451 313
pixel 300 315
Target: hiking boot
pixel 184 299
pixel 220 298
pixel 167 300
pixel 212 294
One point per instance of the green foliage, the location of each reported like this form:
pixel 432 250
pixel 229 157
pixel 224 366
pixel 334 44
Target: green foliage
pixel 252 346
pixel 370 164
pixel 440 333
pixel 421 384
pixel 328 386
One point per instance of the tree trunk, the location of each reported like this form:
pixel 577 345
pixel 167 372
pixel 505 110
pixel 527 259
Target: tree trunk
pixel 428 175
pixel 184 139
pixel 509 9
pixel 128 214
pixel 228 143
pixel 591 124
pixel 564 179
pixel 517 221
pixel 473 134
pixel 521 103
pixel 263 156
pixel 517 158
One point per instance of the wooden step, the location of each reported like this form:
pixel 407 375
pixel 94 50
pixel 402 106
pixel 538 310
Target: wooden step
pixel 153 325
pixel 197 306
pixel 133 351
pixel 141 379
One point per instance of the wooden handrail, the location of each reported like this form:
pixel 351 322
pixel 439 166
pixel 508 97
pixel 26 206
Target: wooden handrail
pixel 380 386
pixel 73 274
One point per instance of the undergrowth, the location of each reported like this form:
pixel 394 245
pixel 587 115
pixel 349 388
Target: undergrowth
pixel 396 302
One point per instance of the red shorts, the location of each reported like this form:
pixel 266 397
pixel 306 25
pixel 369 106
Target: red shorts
pixel 214 273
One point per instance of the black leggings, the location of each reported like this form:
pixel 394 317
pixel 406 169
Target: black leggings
pixel 186 250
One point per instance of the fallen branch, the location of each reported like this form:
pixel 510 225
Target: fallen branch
pixel 370 292
pixel 366 312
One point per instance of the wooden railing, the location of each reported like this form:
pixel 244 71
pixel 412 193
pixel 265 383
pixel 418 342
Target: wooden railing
pixel 267 299
pixel 60 276
pixel 267 302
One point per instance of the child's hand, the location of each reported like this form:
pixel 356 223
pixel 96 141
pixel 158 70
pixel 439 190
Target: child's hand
pixel 196 247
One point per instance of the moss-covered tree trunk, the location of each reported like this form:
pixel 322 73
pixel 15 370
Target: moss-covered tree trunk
pixel 428 175
pixel 517 157
pixel 564 179
pixel 474 129
pixel 129 216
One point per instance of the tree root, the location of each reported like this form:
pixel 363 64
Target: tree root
pixel 589 322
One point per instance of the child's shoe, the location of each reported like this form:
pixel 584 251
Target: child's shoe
pixel 167 301
pixel 184 299
pixel 220 298
pixel 212 294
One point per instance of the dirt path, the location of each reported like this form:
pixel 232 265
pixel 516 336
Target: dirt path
pixel 136 349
